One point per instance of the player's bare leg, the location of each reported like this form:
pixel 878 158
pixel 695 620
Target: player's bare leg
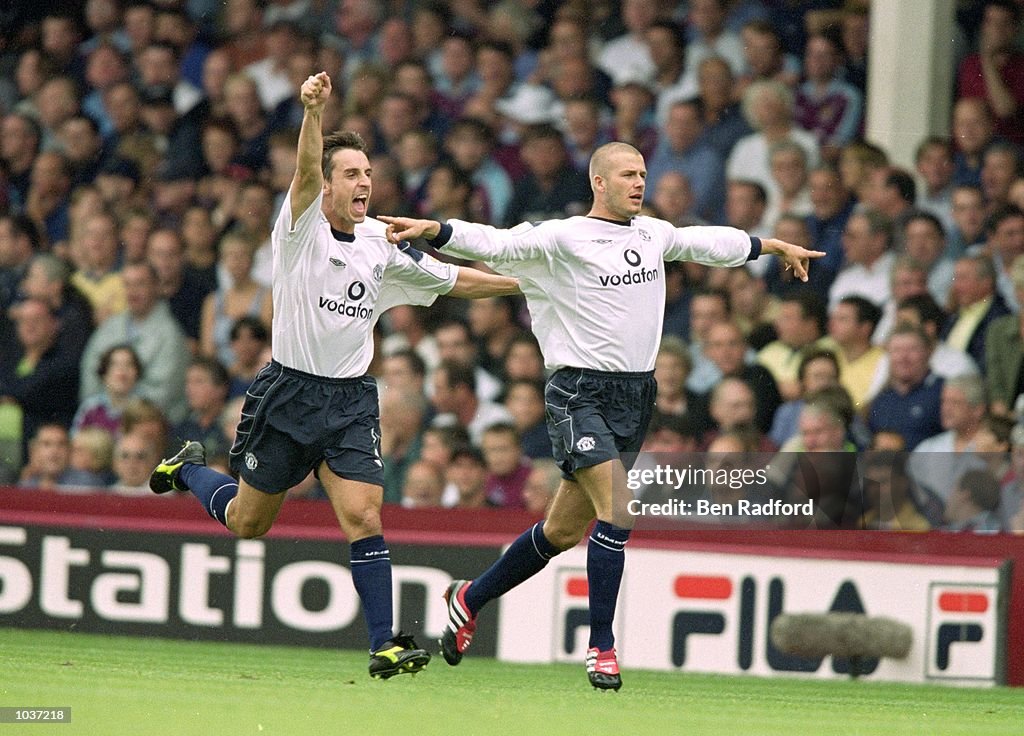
pixel 357 507
pixel 252 512
pixel 605 486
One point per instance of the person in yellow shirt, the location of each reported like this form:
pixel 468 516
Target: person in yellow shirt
pixel 850 326
pixel 97 276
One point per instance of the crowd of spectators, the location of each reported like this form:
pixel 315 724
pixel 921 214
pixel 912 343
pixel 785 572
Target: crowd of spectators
pixel 146 146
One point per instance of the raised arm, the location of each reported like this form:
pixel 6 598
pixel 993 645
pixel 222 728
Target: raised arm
pixel 472 283
pixel 309 178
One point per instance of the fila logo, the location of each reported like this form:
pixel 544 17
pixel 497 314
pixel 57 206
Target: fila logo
pixel 962 632
pixel 337 262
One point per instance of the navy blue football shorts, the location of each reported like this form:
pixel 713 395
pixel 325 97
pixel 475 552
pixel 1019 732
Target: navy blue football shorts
pixel 292 421
pixel 593 416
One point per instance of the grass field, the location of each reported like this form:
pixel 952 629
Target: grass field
pixel 120 685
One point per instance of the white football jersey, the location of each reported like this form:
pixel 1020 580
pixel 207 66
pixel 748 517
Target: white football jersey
pixel 596 288
pixel 329 292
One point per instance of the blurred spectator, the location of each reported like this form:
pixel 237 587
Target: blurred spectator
pixel 631 122
pixel 47 199
pixel 551 187
pixel 768 108
pixel 49 453
pixel 934 162
pixel 710 37
pixel 470 143
pixel 454 344
pixel 673 200
pixel 242 104
pixel 253 218
pixel 1004 353
pixel 20 140
pixel 134 459
pixel 854 27
pixel 745 205
pixel 273 81
pixel 1012 493
pixel 925 242
pixel 708 307
pixel 679 150
pixel 765 58
pixel 401 424
pixel 938 461
pixel 893 193
pixel 141 416
pixel 753 308
pixel 120 370
pixel 454 78
pixel 973 132
pixel 541 486
pixel 799 323
pixel 666 42
pixel 423 487
pixel 524 400
pixel 888 498
pixel 19 241
pixel 492 322
pixel 507 467
pixel 97 276
pixel 974 504
pixel 47 280
pixel 180 286
pixel 724 123
pixel 149 327
pixel 866 246
pixel 727 350
pixel 995 74
pixel 908 278
pixel 1005 245
pixel 408 332
pixel 1000 165
pixel 456 402
pixel 818 369
pixel 909 403
pixel 583 130
pixel 977 304
pixel 629 53
pixel 82 144
pixel 733 407
pixel 850 325
pixel 206 393
pixel 922 311
pixel 788 163
pixel 243 298
pixel 968 213
pixel 447 193
pixel 523 360
pixel 159 67
pixel 671 370
pixel 468 473
pixel 92 453
pixel 826 104
pixel 250 340
pixel 858 162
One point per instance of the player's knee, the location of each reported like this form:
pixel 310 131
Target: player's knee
pixel 249 527
pixel 563 536
pixel 363 522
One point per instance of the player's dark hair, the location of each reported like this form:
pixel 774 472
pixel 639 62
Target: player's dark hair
pixel 339 141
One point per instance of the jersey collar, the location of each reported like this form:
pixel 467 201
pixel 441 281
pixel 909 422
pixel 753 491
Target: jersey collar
pixel 628 223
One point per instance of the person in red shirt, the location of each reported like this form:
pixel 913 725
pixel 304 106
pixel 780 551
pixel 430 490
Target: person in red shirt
pixel 996 72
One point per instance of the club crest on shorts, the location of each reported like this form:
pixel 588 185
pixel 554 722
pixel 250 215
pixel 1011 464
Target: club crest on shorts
pixel 250 461
pixel 585 444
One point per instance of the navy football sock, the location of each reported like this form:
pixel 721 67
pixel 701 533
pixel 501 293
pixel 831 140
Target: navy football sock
pixel 214 490
pixel 371 576
pixel 606 556
pixel 525 558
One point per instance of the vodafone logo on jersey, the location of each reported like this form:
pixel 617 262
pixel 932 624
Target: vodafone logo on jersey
pixel 639 274
pixel 348 307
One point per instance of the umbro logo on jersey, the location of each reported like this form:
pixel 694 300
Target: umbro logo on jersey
pixel 601 241
pixel 337 262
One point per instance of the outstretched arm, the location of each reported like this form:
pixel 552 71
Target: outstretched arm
pixel 793 256
pixel 475 284
pixel 407 228
pixel 309 178
pixel 475 242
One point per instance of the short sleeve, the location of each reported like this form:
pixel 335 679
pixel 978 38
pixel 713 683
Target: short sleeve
pixel 414 277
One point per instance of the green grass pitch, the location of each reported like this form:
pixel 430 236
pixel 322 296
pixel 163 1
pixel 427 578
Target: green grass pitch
pixel 123 685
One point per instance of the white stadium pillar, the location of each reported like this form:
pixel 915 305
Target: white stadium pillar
pixel 911 75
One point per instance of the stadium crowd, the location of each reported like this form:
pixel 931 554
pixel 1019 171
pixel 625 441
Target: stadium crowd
pixel 146 146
